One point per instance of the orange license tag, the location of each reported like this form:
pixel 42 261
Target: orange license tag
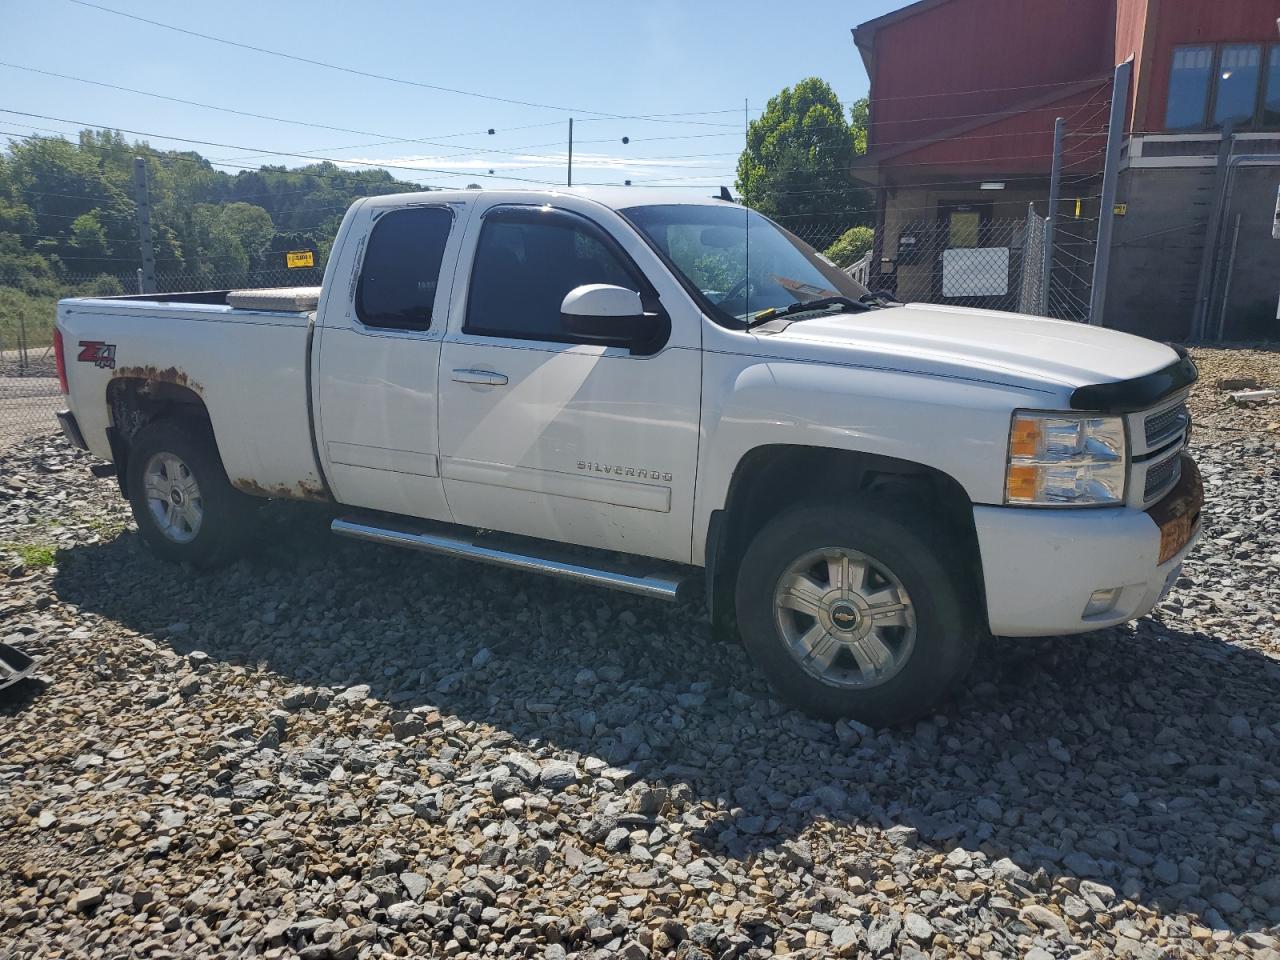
pixel 1178 513
pixel 1175 534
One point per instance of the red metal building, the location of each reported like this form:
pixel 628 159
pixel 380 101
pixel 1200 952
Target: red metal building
pixel 964 95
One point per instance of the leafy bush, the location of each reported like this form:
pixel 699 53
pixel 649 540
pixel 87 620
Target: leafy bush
pixel 852 246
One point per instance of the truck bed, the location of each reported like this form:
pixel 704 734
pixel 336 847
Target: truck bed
pixel 242 354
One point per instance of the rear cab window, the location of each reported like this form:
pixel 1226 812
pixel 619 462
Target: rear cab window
pixel 401 269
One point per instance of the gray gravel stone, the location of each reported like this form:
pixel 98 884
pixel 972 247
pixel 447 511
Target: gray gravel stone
pixel 608 782
pixel 557 775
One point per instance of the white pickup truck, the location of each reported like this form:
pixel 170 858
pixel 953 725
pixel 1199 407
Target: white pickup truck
pixel 649 392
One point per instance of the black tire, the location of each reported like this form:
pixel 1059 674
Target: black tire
pixel 902 541
pixel 226 514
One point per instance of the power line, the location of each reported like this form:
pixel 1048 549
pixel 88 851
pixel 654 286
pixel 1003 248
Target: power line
pixel 275 119
pixel 387 138
pixel 471 174
pixel 274 153
pixel 401 80
pixel 350 179
pixel 964 93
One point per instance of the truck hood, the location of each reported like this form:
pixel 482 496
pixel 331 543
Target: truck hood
pixel 1007 348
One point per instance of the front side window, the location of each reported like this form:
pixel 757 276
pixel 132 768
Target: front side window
pixel 401 270
pixel 527 260
pixel 1189 88
pixel 1271 93
pixel 739 262
pixel 1236 99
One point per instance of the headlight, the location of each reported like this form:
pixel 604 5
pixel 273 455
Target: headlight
pixel 1062 460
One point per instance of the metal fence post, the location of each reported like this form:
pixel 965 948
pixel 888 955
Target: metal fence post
pixel 22 343
pixel 143 197
pixel 1051 221
pixel 1030 285
pixel 1213 235
pixel 1110 178
pixel 1226 292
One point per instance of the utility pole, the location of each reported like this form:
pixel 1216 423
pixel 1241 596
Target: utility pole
pixel 143 197
pixel 1051 222
pixel 1110 179
pixel 570 178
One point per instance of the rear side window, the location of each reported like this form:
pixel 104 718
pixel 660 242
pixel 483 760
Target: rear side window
pixel 527 259
pixel 401 269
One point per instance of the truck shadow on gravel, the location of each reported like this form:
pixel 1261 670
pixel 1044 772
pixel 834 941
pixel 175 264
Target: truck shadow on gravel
pixel 1144 759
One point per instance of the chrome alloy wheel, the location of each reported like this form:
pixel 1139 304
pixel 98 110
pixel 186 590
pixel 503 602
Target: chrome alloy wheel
pixel 173 497
pixel 845 618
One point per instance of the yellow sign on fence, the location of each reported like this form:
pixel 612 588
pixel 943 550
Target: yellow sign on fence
pixel 296 259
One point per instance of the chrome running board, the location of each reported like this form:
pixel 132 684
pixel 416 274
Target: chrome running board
pixel 671 584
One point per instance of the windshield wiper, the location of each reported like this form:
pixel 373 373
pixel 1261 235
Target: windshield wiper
pixel 876 300
pixel 807 306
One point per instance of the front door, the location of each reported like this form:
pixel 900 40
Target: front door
pixel 378 363
pixel 547 436
pixel 974 267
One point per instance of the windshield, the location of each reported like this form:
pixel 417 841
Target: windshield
pixel 740 262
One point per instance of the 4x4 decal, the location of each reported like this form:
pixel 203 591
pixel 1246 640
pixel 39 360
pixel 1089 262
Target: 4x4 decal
pixel 98 353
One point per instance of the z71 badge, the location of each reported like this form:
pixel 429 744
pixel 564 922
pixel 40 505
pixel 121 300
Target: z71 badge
pixel 98 353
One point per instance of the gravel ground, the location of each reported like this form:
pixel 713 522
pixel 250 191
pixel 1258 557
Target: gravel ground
pixel 339 750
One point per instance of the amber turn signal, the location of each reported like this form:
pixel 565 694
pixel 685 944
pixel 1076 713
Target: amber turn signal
pixel 1022 483
pixel 1024 438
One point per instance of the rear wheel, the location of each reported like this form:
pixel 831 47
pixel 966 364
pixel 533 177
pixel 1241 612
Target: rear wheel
pixel 185 507
pixel 855 611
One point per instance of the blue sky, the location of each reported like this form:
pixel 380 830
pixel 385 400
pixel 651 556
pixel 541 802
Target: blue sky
pixel 634 60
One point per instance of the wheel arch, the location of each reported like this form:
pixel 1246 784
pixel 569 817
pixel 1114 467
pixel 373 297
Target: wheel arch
pixel 135 402
pixel 772 477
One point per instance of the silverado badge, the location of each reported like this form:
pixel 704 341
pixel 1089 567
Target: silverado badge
pixel 615 470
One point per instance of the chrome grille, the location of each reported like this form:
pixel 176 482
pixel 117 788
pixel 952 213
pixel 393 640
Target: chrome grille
pixel 1162 477
pixel 1165 425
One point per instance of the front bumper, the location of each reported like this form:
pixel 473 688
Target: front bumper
pixel 1042 566
pixel 71 429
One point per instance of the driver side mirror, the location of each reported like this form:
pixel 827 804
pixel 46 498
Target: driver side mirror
pixel 604 313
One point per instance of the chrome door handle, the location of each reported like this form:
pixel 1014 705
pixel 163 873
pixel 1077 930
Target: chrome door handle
pixel 488 377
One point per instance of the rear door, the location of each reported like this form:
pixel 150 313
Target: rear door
pixel 381 326
pixel 549 436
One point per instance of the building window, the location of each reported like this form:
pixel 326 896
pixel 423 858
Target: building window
pixel 1236 83
pixel 1189 88
pixel 1271 95
pixel 1236 98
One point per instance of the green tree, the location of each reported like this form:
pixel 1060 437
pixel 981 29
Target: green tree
pixel 859 122
pixel 795 167
pixel 852 246
pixel 88 237
pixel 67 212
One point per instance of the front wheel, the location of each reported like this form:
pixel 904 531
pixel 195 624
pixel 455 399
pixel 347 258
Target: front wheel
pixel 852 611
pixel 184 505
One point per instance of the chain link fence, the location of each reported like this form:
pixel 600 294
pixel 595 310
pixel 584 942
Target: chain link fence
pixel 993 264
pixel 989 265
pixel 986 264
